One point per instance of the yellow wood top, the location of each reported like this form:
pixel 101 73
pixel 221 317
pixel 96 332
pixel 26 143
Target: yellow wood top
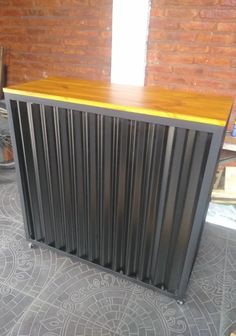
pixel 194 107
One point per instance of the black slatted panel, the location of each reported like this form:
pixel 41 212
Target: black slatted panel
pixel 31 172
pixel 121 193
pixel 50 149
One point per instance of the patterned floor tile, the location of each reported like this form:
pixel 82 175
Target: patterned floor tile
pixel 10 202
pixel 228 316
pixel 13 304
pixel 95 295
pixel 211 255
pixel 150 313
pixel 21 267
pixel 42 319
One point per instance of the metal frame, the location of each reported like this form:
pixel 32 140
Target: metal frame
pixel 204 194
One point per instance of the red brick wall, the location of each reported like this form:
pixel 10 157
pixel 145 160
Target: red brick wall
pixel 192 45
pixel 56 37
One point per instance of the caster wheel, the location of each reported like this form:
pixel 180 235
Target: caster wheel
pixel 31 245
pixel 180 302
pixel 162 287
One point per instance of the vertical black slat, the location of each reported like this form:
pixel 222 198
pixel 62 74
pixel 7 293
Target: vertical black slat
pixel 181 196
pixel 106 189
pixel 30 172
pixel 89 252
pixel 194 182
pixel 162 200
pixel 115 160
pixel 48 180
pixel 100 179
pixel 80 188
pixel 129 192
pixel 52 171
pixel 92 186
pixel 121 197
pixel 136 207
pixel 61 203
pixel 63 150
pixel 71 209
pixel 13 112
pixel 40 170
pixel 153 170
pixel 146 200
pixel 170 206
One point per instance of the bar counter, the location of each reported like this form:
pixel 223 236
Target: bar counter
pixel 119 176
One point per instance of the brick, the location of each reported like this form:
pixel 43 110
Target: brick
pixel 208 84
pixel 227 51
pixel 157 12
pixel 163 24
pixel 157 69
pixel 232 86
pixel 186 2
pixel 204 37
pixel 152 57
pixel 227 26
pixel 176 58
pixel 228 3
pixel 189 70
pixel 233 63
pixel 229 75
pixel 224 38
pixel 164 35
pixel 216 38
pixel 173 79
pixel 160 46
pixel 10 12
pixel 193 48
pixel 218 14
pixel 219 61
pixel 198 25
pixel 181 13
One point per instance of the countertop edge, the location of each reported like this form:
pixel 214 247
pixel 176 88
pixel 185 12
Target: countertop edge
pixel 124 108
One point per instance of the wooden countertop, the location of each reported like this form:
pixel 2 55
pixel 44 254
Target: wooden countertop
pixel 194 107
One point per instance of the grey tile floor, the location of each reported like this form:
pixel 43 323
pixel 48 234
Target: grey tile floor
pixel 43 293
